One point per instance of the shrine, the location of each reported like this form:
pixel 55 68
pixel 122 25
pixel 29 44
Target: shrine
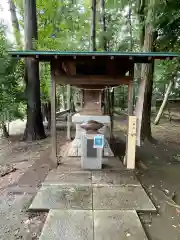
pixel 92 73
pixel 91 194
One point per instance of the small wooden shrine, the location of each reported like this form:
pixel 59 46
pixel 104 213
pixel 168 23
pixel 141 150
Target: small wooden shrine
pixel 92 72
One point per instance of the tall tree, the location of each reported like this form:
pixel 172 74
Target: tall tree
pixel 164 103
pixel 143 106
pixel 148 74
pixel 93 27
pixel 103 25
pixel 15 23
pixel 34 126
pixel 130 26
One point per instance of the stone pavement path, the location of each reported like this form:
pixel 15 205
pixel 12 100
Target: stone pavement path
pixel 92 205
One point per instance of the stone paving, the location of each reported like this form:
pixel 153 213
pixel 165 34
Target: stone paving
pixel 92 205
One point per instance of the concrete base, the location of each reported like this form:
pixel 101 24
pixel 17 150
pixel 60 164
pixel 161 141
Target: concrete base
pixel 68 225
pixel 62 197
pixel 118 225
pixel 69 164
pixel 73 178
pixel 91 158
pixel 75 149
pixel 92 205
pixel 92 225
pixel 121 198
pixel 100 178
pixel 91 164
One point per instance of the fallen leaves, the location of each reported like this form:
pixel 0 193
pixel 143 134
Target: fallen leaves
pixel 6 169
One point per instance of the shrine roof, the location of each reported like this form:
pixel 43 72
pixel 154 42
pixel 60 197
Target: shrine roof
pixel 134 56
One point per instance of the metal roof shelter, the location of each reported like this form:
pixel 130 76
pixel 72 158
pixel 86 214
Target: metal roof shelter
pixel 138 56
pixel 94 70
pixel 115 64
pixel 100 68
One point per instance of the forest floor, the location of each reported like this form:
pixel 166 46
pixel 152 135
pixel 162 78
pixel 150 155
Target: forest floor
pixel 24 166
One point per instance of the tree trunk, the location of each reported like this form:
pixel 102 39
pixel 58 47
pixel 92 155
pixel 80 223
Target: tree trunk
pixel 34 126
pixel 93 27
pixel 103 25
pixel 130 26
pixel 49 115
pixel 5 130
pixel 43 110
pixel 64 98
pixel 46 108
pixel 146 117
pixel 15 23
pixel 69 114
pixel 141 4
pixel 106 102
pixel 163 103
pixel 149 76
pixel 143 105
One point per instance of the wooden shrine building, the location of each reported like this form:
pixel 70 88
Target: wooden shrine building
pixel 94 71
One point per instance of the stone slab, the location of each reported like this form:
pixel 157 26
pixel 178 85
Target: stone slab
pixel 69 164
pixel 118 225
pixel 68 225
pixel 68 178
pixel 114 178
pixel 113 163
pixel 62 197
pixel 121 198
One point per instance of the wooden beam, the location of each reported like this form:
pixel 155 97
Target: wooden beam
pixel 69 114
pixel 92 80
pixel 95 87
pixel 53 119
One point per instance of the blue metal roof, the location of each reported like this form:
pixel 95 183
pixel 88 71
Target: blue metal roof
pixel 135 56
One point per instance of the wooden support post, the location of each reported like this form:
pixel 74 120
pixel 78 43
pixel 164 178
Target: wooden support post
pixel 112 111
pixel 53 118
pixel 131 143
pixel 130 99
pixel 82 98
pixel 130 112
pixel 69 114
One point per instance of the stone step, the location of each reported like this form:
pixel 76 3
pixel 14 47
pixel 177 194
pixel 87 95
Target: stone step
pixel 62 197
pixel 85 197
pixel 92 225
pixel 74 164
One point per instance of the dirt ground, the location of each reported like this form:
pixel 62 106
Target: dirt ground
pixel 158 169
pixel 23 167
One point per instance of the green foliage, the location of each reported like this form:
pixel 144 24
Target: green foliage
pixel 168 26
pixel 62 25
pixel 45 82
pixel 10 88
pixel 65 25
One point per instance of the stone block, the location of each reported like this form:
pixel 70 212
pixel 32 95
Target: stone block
pixel 118 225
pixel 114 178
pixel 68 178
pixel 121 198
pixel 62 197
pixel 68 225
